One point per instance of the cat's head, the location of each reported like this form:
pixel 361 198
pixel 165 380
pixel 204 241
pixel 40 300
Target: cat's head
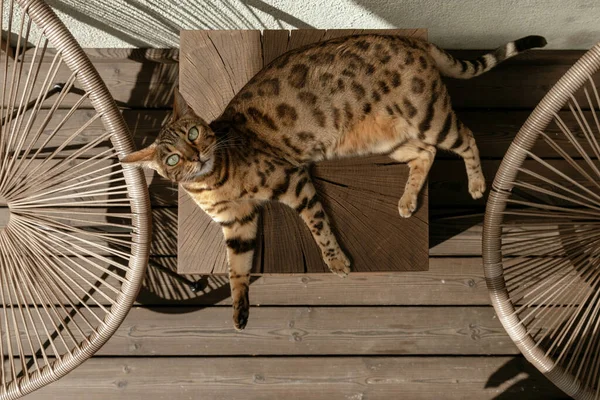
pixel 184 148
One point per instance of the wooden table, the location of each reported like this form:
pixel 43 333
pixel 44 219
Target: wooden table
pixel 361 195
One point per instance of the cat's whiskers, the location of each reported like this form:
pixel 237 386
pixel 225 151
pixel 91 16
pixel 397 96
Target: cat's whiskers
pixel 226 143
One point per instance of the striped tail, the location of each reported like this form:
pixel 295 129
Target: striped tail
pixel 466 69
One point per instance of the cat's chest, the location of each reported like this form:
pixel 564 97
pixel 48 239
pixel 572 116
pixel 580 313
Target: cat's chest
pixel 207 197
pixel 225 203
pixel 212 199
pixel 255 183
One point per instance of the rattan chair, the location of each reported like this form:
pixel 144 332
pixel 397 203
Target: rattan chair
pixel 541 243
pixel 74 251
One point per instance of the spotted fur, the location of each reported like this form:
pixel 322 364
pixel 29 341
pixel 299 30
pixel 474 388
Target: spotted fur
pixel 351 96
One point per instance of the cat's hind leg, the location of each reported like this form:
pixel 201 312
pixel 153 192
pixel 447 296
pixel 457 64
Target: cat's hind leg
pixel 458 138
pixel 419 156
pixel 302 196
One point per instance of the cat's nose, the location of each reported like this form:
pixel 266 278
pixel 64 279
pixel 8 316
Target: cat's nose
pixel 196 157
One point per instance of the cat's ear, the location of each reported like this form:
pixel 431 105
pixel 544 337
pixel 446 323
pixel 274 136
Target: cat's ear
pixel 145 157
pixel 180 107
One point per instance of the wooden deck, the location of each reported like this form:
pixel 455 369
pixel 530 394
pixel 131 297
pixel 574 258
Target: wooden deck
pixel 418 335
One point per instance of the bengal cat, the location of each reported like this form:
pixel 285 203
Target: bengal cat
pixel 350 96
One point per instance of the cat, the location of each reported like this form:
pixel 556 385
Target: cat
pixel 345 97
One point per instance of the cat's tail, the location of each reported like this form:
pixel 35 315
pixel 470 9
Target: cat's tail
pixel 466 69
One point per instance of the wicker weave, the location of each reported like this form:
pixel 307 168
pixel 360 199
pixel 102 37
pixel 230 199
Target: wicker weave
pixel 539 238
pixel 70 266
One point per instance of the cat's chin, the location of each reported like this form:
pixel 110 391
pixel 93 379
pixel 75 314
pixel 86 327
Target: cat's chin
pixel 205 169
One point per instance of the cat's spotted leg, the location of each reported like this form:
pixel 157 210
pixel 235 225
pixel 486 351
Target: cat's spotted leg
pixel 239 224
pixel 458 138
pixel 302 196
pixel 419 157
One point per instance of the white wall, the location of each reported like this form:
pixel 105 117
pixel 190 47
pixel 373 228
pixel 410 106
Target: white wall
pixel 568 24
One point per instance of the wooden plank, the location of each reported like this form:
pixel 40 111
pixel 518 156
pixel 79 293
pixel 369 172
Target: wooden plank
pixel 494 131
pixel 275 43
pixel 303 37
pixel 285 230
pixel 202 248
pixel 132 83
pixel 217 64
pixel 456 236
pixel 166 55
pixel 146 78
pixel 448 184
pixel 313 330
pixel 461 235
pixel 300 378
pixel 506 87
pixel 309 331
pixel 449 281
pixel 108 54
pixel 144 125
pixel 7 48
pixel 531 57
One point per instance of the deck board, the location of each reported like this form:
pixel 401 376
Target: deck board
pixel 453 281
pixel 146 79
pixel 308 330
pixel 300 378
pixel 448 282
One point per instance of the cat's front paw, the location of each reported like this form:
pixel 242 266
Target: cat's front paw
pixel 339 265
pixel 477 187
pixel 407 205
pixel 241 311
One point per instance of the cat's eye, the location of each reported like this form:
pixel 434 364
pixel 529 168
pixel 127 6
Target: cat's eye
pixel 172 160
pixel 193 133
